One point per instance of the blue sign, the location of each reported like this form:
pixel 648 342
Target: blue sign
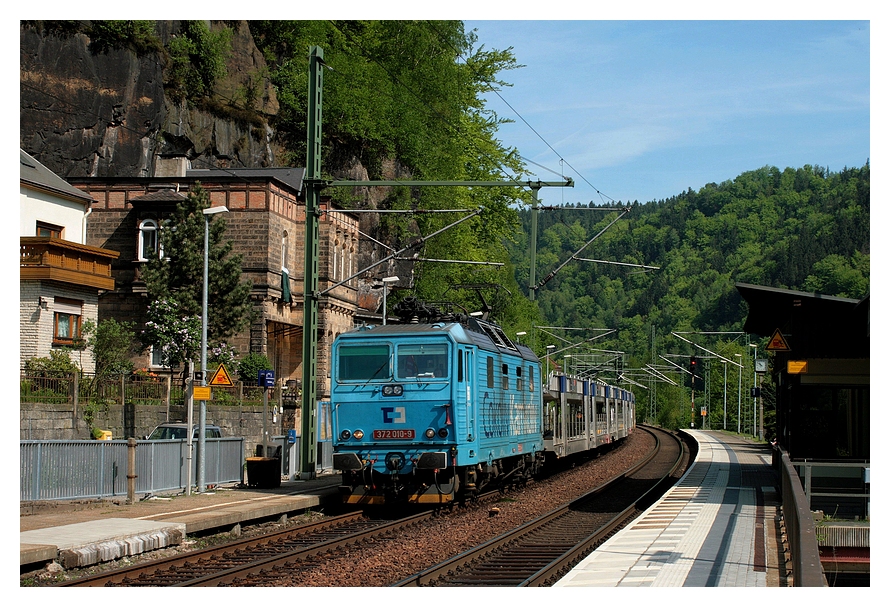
pixel 291 436
pixel 266 378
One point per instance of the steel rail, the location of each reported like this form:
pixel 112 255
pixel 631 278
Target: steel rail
pixel 576 551
pixel 552 571
pixel 173 566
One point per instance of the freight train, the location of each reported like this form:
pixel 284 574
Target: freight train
pixel 434 412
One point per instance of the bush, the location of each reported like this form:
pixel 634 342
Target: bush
pixel 250 366
pixel 138 36
pixel 57 364
pixel 196 60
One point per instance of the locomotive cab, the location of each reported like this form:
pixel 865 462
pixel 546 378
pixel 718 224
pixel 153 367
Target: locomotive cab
pixel 431 413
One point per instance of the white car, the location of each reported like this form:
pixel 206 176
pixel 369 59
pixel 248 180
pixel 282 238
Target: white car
pixel 171 431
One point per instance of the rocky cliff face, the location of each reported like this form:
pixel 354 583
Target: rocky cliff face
pixel 106 114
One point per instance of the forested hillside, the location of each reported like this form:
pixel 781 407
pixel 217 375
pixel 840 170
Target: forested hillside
pixel 805 229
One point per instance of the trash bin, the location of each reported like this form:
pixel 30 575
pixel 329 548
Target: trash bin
pixel 263 472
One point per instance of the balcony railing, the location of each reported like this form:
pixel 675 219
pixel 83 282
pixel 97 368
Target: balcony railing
pixel 45 258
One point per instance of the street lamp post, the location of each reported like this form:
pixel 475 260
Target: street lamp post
pixel 202 416
pixel 387 280
pixel 724 395
pixel 739 414
pixel 551 347
pixel 754 410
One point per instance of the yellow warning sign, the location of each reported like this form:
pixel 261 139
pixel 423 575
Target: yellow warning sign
pixel 777 342
pixel 201 392
pixel 221 377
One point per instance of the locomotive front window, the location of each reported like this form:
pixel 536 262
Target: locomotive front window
pixel 428 360
pixel 363 362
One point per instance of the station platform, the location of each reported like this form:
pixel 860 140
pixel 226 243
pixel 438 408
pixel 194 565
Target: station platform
pixel 718 526
pixel 88 532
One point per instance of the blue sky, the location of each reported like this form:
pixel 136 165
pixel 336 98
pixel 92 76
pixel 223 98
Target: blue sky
pixel 643 110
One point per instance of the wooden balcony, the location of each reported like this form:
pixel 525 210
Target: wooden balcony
pixel 44 258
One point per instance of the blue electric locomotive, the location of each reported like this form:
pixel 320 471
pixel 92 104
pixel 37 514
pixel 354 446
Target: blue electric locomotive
pixel 433 413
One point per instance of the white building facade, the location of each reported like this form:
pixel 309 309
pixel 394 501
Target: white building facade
pixel 60 277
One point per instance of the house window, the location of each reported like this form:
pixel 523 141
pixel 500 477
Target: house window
pixel 156 359
pixel 350 252
pixel 149 243
pixel 66 321
pixel 285 252
pixel 343 273
pixel 48 230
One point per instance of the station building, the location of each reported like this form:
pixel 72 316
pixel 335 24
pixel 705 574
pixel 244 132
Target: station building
pixel 819 363
pixel 266 223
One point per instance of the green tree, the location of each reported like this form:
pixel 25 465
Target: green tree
pixel 177 277
pixel 839 276
pixel 111 343
pixel 409 93
pixel 176 336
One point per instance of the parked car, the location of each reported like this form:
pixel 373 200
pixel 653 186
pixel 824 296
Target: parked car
pixel 171 431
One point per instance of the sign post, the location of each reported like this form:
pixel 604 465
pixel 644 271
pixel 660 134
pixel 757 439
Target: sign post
pixel 266 380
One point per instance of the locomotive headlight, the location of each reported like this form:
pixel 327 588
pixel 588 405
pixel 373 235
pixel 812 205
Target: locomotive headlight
pixel 392 390
pixel 430 433
pixel 443 432
pixel 358 434
pixel 345 434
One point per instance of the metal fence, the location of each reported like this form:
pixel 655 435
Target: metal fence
pixel 839 489
pixel 55 470
pixel 151 389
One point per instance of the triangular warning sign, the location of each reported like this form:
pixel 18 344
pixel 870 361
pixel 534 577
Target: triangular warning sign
pixel 777 342
pixel 221 377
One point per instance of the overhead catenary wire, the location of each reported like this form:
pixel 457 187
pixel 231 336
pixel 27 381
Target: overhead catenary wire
pixel 526 122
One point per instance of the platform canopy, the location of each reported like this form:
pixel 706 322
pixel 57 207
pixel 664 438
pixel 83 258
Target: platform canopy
pixel 814 325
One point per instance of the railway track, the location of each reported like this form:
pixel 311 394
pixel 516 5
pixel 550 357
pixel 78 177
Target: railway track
pixel 221 565
pixel 285 557
pixel 543 550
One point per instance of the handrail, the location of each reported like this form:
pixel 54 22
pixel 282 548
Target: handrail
pixel 806 565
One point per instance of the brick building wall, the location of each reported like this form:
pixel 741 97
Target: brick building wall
pixel 266 223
